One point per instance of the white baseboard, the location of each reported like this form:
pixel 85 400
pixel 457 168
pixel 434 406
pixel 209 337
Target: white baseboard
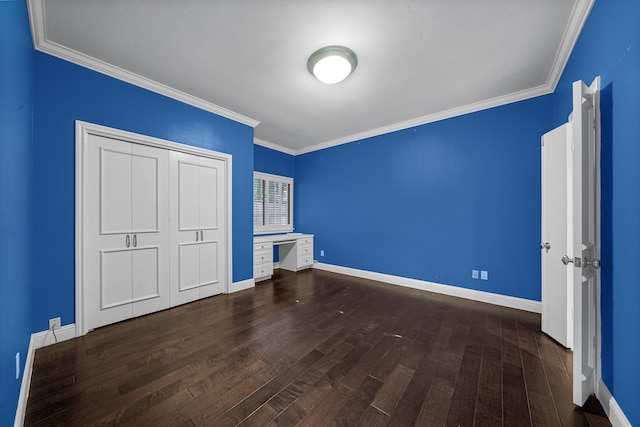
pixel 38 340
pixel 241 286
pixel 456 291
pixel 611 407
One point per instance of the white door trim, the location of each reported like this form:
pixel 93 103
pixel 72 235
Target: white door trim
pixel 83 131
pixel 580 92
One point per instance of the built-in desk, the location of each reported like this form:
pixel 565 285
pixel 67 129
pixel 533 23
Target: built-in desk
pixel 296 253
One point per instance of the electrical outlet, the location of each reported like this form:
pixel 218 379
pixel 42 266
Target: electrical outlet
pixel 321 252
pixel 54 323
pixel 474 274
pixel 484 275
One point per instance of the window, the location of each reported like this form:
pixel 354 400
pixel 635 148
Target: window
pixel 272 203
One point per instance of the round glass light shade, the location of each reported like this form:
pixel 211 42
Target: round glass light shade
pixel 332 64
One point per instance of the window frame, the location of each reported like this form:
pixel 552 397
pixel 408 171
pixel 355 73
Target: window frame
pixel 272 228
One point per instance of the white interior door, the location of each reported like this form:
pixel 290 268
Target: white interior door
pixel 126 240
pixel 150 229
pixel 585 125
pixel 199 202
pixel 557 280
pixel 212 205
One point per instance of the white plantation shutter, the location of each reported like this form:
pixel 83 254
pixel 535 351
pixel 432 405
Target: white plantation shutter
pixel 272 203
pixel 258 202
pixel 284 205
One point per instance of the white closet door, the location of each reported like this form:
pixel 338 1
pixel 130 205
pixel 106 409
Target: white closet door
pixel 212 185
pixel 108 264
pixel 185 232
pixel 150 229
pixel 125 202
pixel 198 203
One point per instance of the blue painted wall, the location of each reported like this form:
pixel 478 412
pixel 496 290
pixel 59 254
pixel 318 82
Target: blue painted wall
pixel 435 201
pixel 608 47
pixel 274 162
pixel 64 93
pixel 42 97
pixel 16 109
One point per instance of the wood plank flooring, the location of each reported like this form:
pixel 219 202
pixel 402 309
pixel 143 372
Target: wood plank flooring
pixel 312 349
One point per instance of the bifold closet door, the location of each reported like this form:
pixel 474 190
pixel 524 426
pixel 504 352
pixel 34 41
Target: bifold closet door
pixel 198 204
pixel 126 259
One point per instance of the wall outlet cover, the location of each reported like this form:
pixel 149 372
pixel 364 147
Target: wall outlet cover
pixel 474 274
pixel 54 323
pixel 484 275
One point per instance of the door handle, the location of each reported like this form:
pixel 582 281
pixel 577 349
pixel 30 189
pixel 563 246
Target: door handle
pixel 196 235
pixel 595 263
pixel 201 236
pixel 135 241
pixel 566 260
pixel 127 241
pixel 545 245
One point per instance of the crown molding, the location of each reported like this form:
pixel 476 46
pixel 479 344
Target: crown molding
pixel 273 146
pixel 578 18
pixel 431 118
pixel 41 43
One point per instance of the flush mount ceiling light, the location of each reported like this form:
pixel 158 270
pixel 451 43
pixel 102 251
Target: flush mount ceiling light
pixel 332 64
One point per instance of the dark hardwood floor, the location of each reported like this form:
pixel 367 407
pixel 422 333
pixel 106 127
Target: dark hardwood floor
pixel 312 349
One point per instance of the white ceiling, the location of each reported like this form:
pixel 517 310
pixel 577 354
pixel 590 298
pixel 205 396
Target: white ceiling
pixel 418 61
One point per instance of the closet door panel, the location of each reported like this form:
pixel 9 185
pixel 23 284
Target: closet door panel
pixel 189 267
pixel 145 274
pixel 188 194
pixel 212 205
pixel 110 296
pixel 186 288
pixel 150 229
pixel 116 280
pixel 147 296
pixel 184 222
pixel 209 272
pixel 145 189
pixel 209 194
pixel 115 187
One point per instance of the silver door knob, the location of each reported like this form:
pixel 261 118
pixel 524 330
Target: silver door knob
pixel 595 263
pixel 545 245
pixel 566 260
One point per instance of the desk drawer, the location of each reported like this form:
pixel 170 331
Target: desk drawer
pixel 305 250
pixel 305 261
pixel 262 246
pixel 262 257
pixel 305 241
pixel 262 270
